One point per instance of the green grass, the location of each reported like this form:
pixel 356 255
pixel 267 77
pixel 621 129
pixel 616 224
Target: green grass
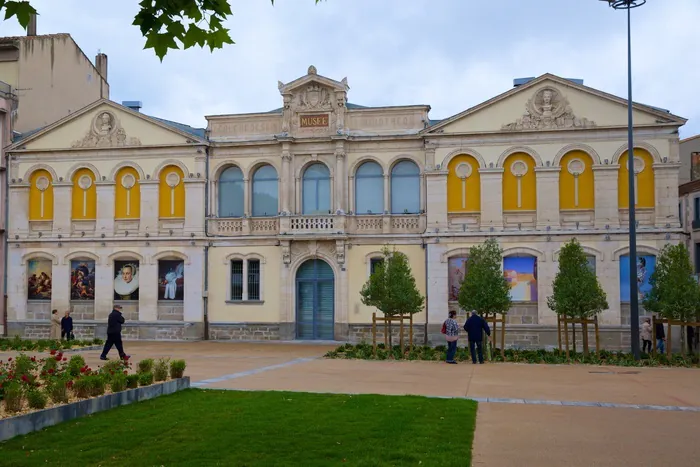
pixel 231 428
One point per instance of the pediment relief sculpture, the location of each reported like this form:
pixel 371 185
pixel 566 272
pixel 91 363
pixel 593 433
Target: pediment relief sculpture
pixel 106 131
pixel 314 97
pixel 548 109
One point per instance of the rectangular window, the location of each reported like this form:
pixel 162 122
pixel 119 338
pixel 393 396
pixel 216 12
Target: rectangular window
pixel 373 263
pixel 680 212
pixel 697 258
pixel 697 208
pixel 237 280
pixel 253 279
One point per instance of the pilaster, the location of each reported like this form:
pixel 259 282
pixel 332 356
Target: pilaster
pixel 149 206
pixel 193 302
pixel 666 194
pixel 547 196
pixel 194 203
pixel 60 286
pixel 104 289
pixel 436 206
pixel 607 211
pixel 105 207
pixel 148 290
pixel 62 207
pixel 19 209
pixel 340 179
pixel 491 198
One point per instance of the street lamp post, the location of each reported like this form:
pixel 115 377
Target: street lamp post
pixel 634 297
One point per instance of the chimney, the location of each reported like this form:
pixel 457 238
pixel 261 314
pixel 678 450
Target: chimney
pixel 101 65
pixel 31 27
pixel 133 105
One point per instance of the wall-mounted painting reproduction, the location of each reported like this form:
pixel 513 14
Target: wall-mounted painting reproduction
pixel 82 279
pixel 126 280
pixel 456 270
pixel 646 265
pixel 171 279
pixel 39 279
pixel 521 274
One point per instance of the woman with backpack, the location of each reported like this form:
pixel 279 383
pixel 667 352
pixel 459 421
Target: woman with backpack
pixel 450 329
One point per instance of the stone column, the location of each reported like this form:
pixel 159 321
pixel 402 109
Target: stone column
pixel 104 289
pixel 387 194
pixel 607 211
pixel 62 209
pixel 491 198
pixel 17 285
pixel 19 209
pixel 297 194
pixel 423 195
pixel 286 179
pixel 547 197
pixel 148 290
pixel 429 148
pixel 60 286
pixel 666 194
pixel 194 204
pixel 149 206
pixel 105 208
pixel 247 195
pixel 351 195
pixel 340 179
pixel 436 205
pixel 193 302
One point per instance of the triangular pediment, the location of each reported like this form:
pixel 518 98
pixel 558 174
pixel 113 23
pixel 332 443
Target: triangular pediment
pixel 103 125
pixel 312 78
pixel 551 103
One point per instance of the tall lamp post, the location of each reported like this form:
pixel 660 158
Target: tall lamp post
pixel 634 298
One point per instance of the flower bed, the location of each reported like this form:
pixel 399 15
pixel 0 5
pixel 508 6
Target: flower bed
pixel 28 384
pixel 24 345
pixel 365 352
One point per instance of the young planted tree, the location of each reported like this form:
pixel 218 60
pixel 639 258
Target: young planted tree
pixel 577 292
pixel 674 293
pixel 392 288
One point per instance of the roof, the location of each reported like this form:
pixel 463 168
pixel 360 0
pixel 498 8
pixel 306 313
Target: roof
pixel 10 39
pixel 690 138
pixel 198 132
pixel 689 187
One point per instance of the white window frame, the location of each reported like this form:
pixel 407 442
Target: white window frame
pixel 245 258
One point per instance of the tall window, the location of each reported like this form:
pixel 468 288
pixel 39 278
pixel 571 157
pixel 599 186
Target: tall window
pixel 519 183
pixel 696 201
pixel 171 193
pixel 127 200
pixel 463 184
pixel 405 188
pixel 576 182
pixel 246 280
pixel 374 264
pixel 643 180
pixel 41 196
pixel 369 189
pixel 265 192
pixel 231 193
pixel 316 190
pixel 84 195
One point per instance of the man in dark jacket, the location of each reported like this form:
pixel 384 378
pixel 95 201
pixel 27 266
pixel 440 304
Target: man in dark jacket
pixel 114 333
pixel 67 327
pixel 475 327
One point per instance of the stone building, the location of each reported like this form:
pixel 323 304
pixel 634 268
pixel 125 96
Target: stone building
pixel 286 212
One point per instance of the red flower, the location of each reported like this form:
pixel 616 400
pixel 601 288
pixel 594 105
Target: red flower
pixel 83 369
pixel 65 359
pixel 69 384
pixel 51 371
pixel 33 359
pixel 53 352
pixel 9 359
pixel 24 378
pixel 126 372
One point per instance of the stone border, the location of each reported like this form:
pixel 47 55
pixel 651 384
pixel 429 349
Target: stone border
pixel 35 421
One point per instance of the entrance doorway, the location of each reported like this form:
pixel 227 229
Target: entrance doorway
pixel 315 300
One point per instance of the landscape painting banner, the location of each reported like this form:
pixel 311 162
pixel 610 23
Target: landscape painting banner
pixel 171 279
pixel 646 265
pixel 82 279
pixel 521 274
pixel 39 279
pixel 456 270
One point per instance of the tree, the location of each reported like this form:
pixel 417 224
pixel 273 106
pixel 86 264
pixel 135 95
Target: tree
pixel 674 293
pixel 166 24
pixel 392 287
pixel 577 292
pixel 485 288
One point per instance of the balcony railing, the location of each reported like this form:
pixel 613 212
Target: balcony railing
pixel 234 227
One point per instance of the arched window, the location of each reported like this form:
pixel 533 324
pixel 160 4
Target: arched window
pixel 405 188
pixel 576 183
pixel 644 180
pixel 84 195
pixel 316 190
pixel 171 188
pixel 519 183
pixel 265 198
pixel 231 193
pixel 463 184
pixel 127 202
pixel 369 189
pixel 41 196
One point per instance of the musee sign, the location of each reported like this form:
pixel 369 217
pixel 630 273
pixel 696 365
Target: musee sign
pixel 313 121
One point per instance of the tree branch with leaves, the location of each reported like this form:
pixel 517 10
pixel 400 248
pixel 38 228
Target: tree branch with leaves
pixel 485 288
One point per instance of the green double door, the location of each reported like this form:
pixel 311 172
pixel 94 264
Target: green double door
pixel 315 299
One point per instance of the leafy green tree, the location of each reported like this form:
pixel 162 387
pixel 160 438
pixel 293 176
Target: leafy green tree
pixel 392 288
pixel 577 292
pixel 484 288
pixel 166 24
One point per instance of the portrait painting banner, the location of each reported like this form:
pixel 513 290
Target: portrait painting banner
pixel 126 280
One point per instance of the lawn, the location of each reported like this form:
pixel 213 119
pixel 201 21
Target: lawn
pixel 230 428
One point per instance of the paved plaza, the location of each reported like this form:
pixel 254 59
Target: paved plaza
pixel 537 415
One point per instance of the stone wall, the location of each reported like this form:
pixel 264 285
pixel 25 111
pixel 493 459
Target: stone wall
pixel 358 333
pixel 244 332
pixel 130 309
pixel 625 314
pixel 82 310
pixel 171 310
pixel 130 332
pixel 522 313
pixel 39 310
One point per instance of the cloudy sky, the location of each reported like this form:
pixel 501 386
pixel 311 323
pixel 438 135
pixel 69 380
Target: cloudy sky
pixel 450 54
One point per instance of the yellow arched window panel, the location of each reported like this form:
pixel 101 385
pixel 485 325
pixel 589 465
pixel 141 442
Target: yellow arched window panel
pixel 127 200
pixel 644 189
pixel 84 195
pixel 171 193
pixel 41 196
pixel 519 183
pixel 576 181
pixel 463 184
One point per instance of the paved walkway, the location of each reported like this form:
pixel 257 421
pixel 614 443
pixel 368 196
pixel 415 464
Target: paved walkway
pixel 537 415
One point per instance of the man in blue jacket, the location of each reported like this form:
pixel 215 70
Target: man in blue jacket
pixel 475 327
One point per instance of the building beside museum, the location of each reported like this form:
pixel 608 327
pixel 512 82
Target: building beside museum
pixel 267 227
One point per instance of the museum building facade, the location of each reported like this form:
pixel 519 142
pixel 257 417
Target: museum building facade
pixel 267 226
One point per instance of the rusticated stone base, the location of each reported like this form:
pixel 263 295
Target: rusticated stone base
pixel 39 310
pixel 245 332
pixel 82 310
pixel 162 330
pixel 358 333
pixel 171 310
pixel 130 310
pixel 520 313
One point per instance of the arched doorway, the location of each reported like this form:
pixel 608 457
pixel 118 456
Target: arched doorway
pixel 315 300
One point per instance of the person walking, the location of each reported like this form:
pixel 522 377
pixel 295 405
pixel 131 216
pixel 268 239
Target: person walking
pixel 114 333
pixel 660 337
pixel 55 331
pixel 451 330
pixel 475 327
pixel 646 336
pixel 67 327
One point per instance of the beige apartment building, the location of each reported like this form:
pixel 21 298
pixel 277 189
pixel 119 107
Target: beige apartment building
pixel 689 196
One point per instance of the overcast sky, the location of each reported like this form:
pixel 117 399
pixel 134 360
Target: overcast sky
pixel 450 54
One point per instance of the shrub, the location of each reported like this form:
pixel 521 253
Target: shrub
pixel 57 389
pixel 113 367
pixel 24 367
pixel 82 387
pixel 177 369
pixel 146 379
pixel 118 382
pixel 146 365
pixel 75 364
pixel 132 381
pixel 50 366
pixel 98 384
pixel 160 370
pixel 13 397
pixel 36 399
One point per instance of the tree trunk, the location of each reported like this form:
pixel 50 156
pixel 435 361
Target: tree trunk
pixel 584 326
pixel 573 331
pixel 391 345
